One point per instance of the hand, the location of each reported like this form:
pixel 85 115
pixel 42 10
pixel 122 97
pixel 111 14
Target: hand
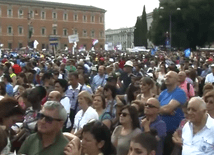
pixel 177 139
pixel 72 149
pixel 145 123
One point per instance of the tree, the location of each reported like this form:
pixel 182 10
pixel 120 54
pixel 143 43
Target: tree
pixel 144 28
pixel 137 33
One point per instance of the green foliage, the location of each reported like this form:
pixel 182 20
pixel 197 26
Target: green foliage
pixel 192 26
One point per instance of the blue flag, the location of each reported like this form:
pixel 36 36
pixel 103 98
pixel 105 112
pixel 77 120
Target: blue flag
pixel 187 52
pixel 154 50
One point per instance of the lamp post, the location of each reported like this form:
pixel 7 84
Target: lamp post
pixel 170 26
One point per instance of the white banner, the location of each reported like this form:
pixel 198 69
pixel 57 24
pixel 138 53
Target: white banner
pixel 73 38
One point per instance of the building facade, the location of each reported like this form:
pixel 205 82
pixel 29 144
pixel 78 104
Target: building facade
pixel 124 36
pixel 23 21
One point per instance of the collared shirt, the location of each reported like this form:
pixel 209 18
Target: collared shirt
pixel 98 81
pixel 33 145
pixel 190 92
pixel 73 94
pixel 111 108
pixel 209 78
pixel 205 72
pixel 202 143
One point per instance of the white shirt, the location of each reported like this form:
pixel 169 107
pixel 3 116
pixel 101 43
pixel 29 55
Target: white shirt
pixel 202 143
pixel 66 104
pixel 209 78
pixel 82 118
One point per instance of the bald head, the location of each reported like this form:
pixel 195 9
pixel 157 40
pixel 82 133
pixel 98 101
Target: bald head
pixel 181 76
pixel 171 78
pixel 198 102
pixel 152 107
pixel 154 102
pixel 54 96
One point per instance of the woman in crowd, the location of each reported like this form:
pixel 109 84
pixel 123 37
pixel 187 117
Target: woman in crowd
pixel 96 140
pixel 130 96
pixel 61 86
pixel 127 130
pixel 160 74
pixel 85 114
pixel 209 99
pixel 143 144
pixel 9 86
pixel 207 87
pixel 10 113
pixel 12 76
pixel 99 105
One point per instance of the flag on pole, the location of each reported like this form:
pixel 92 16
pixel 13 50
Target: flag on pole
pixel 95 41
pixel 187 52
pixel 35 44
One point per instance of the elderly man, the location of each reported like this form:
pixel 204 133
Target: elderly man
pixel 210 77
pixel 152 120
pixel 54 96
pixel 171 100
pixel 183 84
pixel 197 134
pixel 99 79
pixel 49 138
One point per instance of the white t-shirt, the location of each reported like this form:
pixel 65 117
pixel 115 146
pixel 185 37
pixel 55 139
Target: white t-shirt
pixel 82 118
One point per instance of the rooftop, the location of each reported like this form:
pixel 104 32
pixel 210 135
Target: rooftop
pixel 39 3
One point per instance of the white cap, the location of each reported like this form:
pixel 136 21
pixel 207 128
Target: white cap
pixel 212 65
pixel 129 63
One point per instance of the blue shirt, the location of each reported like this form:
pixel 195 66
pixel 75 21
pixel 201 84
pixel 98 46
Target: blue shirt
pixel 98 81
pixel 173 121
pixel 9 89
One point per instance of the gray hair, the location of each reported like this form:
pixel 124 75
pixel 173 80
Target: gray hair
pixel 200 100
pixel 54 105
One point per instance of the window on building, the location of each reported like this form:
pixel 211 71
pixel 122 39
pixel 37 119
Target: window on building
pixel 92 34
pixel 43 15
pixel 20 45
pixel 75 31
pixel 65 32
pixel 54 15
pixel 10 45
pixel 31 14
pixel 9 13
pixel 20 13
pixel 101 19
pixel 9 30
pixel 43 46
pixel 84 18
pixel 84 33
pixel 0 11
pixel 20 30
pixel 101 34
pixel 54 31
pixel 65 16
pixel 75 17
pixel 43 31
pixel 92 18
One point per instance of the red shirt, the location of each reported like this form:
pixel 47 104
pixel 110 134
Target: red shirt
pixel 17 69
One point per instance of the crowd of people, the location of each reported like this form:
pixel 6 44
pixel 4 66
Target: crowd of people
pixel 107 103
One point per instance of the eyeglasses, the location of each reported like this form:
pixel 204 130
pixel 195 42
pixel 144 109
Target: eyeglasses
pixel 48 119
pixel 150 105
pixel 123 114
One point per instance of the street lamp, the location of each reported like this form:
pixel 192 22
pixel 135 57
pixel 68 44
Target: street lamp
pixel 170 25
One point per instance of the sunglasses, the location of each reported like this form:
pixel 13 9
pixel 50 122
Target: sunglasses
pixel 150 105
pixel 123 114
pixel 48 119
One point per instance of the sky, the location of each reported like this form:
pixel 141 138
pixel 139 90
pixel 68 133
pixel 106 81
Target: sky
pixel 119 14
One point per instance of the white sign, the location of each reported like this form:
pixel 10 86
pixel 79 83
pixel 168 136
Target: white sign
pixel 73 38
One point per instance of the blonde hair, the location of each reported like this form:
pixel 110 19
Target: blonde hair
pixel 87 96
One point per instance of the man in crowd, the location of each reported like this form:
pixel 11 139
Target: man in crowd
pixel 210 77
pixel 152 120
pixel 185 86
pixel 99 79
pixel 170 101
pixel 54 96
pixel 197 134
pixel 49 138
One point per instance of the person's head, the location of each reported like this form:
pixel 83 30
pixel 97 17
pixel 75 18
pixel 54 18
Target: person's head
pixel 54 96
pixel 84 99
pixel 171 78
pixel 163 68
pixel 51 118
pixel 143 144
pixel 146 84
pixel 207 87
pixel 96 138
pixel 81 79
pixel 11 70
pixel 10 112
pixel 109 91
pixel 2 89
pixel 21 78
pixel 101 70
pixel 80 68
pixel 55 74
pixel 48 78
pixel 99 101
pixel 128 66
pixel 181 76
pixel 7 78
pixel 152 107
pixel 73 79
pixel 129 115
pixel 205 66
pixel 196 110
pixel 212 67
pixel 132 92
pixel 209 100
pixel 61 85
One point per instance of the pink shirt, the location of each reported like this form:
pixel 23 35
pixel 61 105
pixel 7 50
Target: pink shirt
pixel 189 93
